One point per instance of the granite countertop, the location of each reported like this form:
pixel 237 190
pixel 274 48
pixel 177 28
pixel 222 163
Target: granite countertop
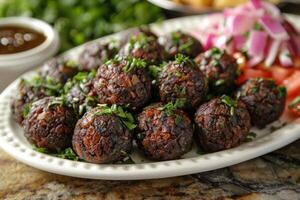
pixel 273 176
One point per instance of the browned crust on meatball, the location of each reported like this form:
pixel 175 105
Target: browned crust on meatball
pixel 101 138
pixel 144 47
pixel 220 68
pixel 263 99
pixel 184 81
pixel 116 86
pixel 95 54
pixel 219 129
pixel 179 42
pixel 160 136
pixel 58 70
pixel 50 125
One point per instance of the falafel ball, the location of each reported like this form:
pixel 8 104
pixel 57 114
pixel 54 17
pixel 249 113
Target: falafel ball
pixel 30 90
pixel 50 124
pixel 222 123
pixel 265 100
pixel 220 68
pixel 58 70
pixel 95 54
pixel 165 132
pixel 101 137
pixel 179 42
pixel 79 92
pixel 135 32
pixel 181 79
pixel 123 81
pixel 144 47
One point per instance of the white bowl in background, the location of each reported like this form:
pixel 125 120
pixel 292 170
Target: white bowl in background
pixel 13 65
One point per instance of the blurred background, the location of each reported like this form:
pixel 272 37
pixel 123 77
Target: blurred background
pixel 80 21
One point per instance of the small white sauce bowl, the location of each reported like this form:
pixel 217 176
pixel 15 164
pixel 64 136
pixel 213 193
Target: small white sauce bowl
pixel 13 65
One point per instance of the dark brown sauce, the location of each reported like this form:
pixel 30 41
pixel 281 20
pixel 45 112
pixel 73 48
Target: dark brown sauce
pixel 14 39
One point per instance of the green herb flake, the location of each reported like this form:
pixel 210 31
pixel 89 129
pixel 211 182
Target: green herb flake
pixel 134 63
pixel 178 74
pixel 220 82
pixel 180 58
pixel 39 149
pixel 26 110
pixel 282 92
pixel 229 102
pixel 178 120
pixel 67 154
pixel 127 158
pixel 295 102
pixel 186 47
pixel 170 107
pixel 250 137
pixel 126 117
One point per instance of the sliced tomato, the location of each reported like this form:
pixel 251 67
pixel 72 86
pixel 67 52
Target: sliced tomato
pixel 292 84
pixel 279 74
pixel 248 73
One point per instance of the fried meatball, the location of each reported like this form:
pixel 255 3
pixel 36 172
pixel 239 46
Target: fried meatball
pixel 101 138
pixel 58 70
pixel 30 90
pixel 220 69
pixel 222 123
pixel 123 81
pixel 164 135
pixel 265 101
pixel 80 93
pixel 144 47
pixel 26 94
pixel 50 124
pixel 181 79
pixel 95 54
pixel 135 32
pixel 179 42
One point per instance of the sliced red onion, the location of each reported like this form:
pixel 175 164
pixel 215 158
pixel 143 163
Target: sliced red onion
pixel 272 53
pixel 285 57
pixel 257 42
pixel 256 46
pixel 274 28
pixel 239 41
pixel 239 24
pixel 271 9
pixel 256 3
pixel 208 42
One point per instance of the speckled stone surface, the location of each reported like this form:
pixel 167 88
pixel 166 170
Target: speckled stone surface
pixel 273 176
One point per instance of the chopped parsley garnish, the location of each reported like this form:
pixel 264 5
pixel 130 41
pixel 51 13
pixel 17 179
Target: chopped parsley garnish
pixel 126 117
pixel 295 103
pixel 67 153
pixel 178 120
pixel 155 70
pixel 58 101
pixel 180 58
pixel 170 107
pixel 127 158
pixel 26 110
pixel 254 89
pixel 50 86
pixel 250 137
pixel 281 91
pixel 220 82
pixel 140 41
pixel 133 63
pixel 186 47
pixel 229 102
pixel 178 74
pixel 39 149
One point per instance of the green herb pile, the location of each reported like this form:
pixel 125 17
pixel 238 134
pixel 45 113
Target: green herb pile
pixel 80 21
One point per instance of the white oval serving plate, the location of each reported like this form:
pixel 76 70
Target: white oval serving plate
pixel 14 143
